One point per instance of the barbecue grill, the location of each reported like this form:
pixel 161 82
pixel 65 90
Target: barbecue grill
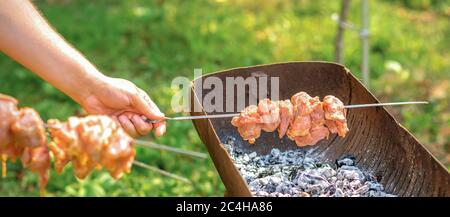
pixel 380 144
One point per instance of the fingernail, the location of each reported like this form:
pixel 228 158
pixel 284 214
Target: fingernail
pixel 143 117
pixel 160 131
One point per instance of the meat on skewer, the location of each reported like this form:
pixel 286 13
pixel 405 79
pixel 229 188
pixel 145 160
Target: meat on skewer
pixel 303 118
pixel 308 125
pixel 286 116
pixel 91 142
pixel 28 129
pixel 270 115
pixel 30 140
pixel 301 123
pixel 248 123
pixel 8 114
pixel 22 134
pixel 335 115
pixel 266 116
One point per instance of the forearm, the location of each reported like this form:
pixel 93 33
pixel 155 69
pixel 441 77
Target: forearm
pixel 26 37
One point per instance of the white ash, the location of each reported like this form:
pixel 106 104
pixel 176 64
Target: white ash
pixel 295 173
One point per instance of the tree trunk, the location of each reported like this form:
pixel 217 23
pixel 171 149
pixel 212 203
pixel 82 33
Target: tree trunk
pixel 338 44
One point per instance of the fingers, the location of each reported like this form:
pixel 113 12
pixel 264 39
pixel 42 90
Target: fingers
pixel 135 126
pixel 141 126
pixel 147 107
pixel 128 126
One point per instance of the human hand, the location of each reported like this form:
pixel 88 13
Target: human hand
pixel 126 103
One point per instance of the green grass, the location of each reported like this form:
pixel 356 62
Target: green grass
pixel 151 42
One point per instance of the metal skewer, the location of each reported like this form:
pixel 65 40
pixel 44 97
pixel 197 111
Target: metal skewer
pixel 237 114
pixel 147 144
pixel 162 172
pixel 202 117
pixel 201 155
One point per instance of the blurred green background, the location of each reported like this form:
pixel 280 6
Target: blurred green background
pixel 151 42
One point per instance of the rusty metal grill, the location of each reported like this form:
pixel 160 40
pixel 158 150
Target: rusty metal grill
pixel 382 146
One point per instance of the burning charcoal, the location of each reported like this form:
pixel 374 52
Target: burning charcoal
pixel 347 159
pixel 376 194
pixel 261 194
pixel 296 173
pixel 256 159
pixel 347 174
pixel 275 152
pixel 370 177
pixel 309 163
pixel 273 194
pixel 304 194
pixel 339 193
pixel 245 159
pixel 374 186
pixel 290 154
pixel 362 190
pixel 327 171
